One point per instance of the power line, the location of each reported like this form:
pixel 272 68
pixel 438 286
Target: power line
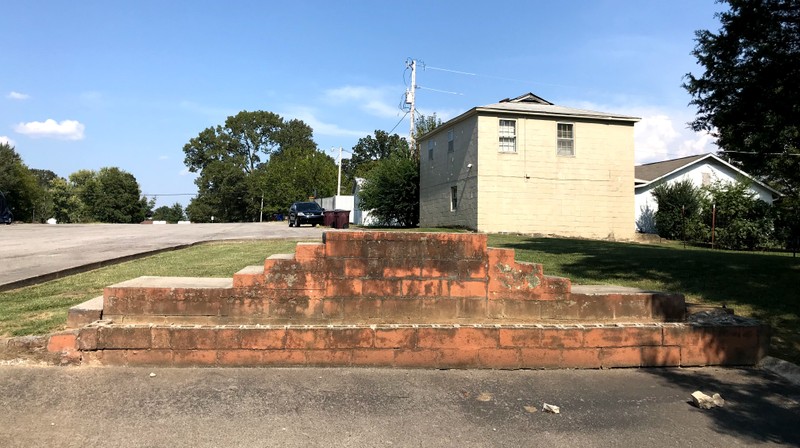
pixel 502 78
pixel 399 121
pixel 169 194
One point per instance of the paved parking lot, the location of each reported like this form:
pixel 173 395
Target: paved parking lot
pixel 35 251
pixel 122 407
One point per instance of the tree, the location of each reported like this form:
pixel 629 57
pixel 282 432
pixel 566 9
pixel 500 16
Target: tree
pixel 18 184
pixel 749 94
pixel 426 123
pixel 679 207
pixel 67 206
pixel 171 214
pixel 229 159
pixel 742 220
pixel 293 175
pixel 113 195
pixel 391 190
pixel 369 150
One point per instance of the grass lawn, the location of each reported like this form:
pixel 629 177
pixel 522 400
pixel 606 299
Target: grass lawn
pixel 762 285
pixel 765 286
pixel 42 308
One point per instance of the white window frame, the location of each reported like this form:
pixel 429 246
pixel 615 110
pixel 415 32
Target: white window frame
pixel 507 142
pixel 453 198
pixel 430 149
pixel 451 136
pixel 562 139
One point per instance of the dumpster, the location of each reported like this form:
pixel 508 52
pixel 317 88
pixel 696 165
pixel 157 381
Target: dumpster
pixel 341 219
pixel 327 218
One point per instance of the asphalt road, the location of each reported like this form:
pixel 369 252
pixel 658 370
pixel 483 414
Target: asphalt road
pixel 32 251
pixel 123 407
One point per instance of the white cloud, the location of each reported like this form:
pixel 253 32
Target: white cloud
pixel 657 139
pixel 7 141
pixel 371 100
pixel 163 157
pixel 65 130
pixel 321 128
pixel 18 96
pixel 184 172
pixel 656 136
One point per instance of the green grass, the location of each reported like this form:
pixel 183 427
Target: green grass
pixel 42 308
pixel 762 285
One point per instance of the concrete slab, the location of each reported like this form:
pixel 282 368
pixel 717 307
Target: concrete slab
pixel 34 253
pixel 175 282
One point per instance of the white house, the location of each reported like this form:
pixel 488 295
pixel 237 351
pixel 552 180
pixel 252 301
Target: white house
pixel 701 170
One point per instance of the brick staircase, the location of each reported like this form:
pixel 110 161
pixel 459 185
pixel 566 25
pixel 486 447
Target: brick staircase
pixel 397 299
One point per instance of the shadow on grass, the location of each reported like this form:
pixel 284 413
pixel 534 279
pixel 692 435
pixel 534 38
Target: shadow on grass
pixel 764 286
pixel 759 408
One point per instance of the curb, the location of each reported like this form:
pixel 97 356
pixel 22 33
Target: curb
pixel 784 369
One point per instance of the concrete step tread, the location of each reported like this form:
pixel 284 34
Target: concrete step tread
pixel 442 326
pixel 251 270
pixel 95 304
pixel 610 289
pixel 175 282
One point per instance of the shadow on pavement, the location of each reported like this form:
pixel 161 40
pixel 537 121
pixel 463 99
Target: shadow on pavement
pixel 759 407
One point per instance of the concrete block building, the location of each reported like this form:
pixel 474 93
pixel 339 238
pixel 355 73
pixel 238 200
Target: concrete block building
pixel 529 166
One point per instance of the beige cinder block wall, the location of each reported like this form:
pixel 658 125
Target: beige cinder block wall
pixel 450 169
pixel 535 190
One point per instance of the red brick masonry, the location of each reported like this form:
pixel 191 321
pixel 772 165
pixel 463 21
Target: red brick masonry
pixel 402 300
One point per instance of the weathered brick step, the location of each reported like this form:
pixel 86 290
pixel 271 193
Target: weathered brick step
pixel 437 346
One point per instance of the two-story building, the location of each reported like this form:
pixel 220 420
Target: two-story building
pixel 529 166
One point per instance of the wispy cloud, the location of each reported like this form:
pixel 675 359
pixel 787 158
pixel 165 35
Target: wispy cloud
pixel 372 100
pixel 163 157
pixel 7 141
pixel 215 112
pixel 184 172
pixel 320 127
pixel 17 96
pixel 64 130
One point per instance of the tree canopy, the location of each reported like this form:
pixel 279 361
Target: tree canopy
pixel 255 157
pixel 371 149
pixel 749 94
pixel 19 184
pixel 391 190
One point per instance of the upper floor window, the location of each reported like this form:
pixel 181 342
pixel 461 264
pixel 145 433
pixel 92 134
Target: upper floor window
pixel 508 136
pixel 566 140
pixel 453 198
pixel 450 139
pixel 430 149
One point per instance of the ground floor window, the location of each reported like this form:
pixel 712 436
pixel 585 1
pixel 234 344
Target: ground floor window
pixel 453 198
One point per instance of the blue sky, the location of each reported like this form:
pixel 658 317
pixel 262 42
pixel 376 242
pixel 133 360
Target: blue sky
pixel 91 84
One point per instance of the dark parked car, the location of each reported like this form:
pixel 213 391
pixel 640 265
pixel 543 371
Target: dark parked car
pixel 305 213
pixel 5 213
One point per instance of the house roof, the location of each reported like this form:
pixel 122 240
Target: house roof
pixel 652 172
pixel 656 170
pixel 531 104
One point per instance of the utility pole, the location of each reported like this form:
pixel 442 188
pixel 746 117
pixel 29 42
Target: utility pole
pixel 411 99
pixel 339 182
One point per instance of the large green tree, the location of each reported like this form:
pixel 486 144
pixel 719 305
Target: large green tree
pixel 114 196
pixel 232 157
pixel 749 94
pixel 293 175
pixel 19 185
pixel 369 150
